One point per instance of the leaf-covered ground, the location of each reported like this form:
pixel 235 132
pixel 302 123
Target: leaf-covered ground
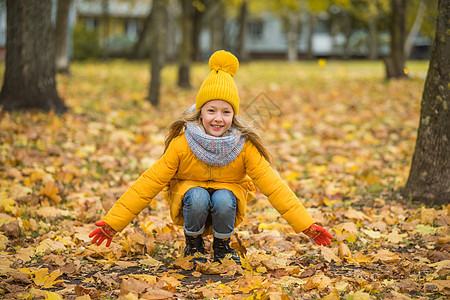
pixel 343 138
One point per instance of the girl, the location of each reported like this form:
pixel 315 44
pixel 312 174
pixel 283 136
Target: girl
pixel 210 162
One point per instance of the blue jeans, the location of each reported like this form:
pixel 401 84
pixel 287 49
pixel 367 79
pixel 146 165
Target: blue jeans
pixel 198 204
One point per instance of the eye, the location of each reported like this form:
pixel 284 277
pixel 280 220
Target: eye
pixel 211 110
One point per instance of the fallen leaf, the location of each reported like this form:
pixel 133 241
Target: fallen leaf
pixel 17 276
pixel 151 262
pixel 184 263
pixel 49 245
pixel 51 191
pixel 353 214
pixel 52 296
pixel 385 256
pixel 427 215
pixel 408 286
pixel 372 234
pixel 157 294
pixel 329 255
pixel 344 251
pixel 442 286
pixel 395 236
pixel 41 277
pixel 12 229
pixel 289 281
pixel 196 274
pixel 148 279
pixel 425 229
pixel 341 286
pixel 400 296
pixel 360 295
pixel 132 285
pixel 332 296
pixel 6 203
pixel 126 264
pixel 3 241
pixel 25 254
pixel 319 282
pixel 52 213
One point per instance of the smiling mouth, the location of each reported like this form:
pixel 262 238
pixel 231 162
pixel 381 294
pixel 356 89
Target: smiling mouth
pixel 217 126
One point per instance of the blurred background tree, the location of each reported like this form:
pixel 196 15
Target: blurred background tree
pixel 29 81
pixel 159 25
pixel 61 36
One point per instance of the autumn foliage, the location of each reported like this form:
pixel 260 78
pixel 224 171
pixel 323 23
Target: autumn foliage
pixel 343 140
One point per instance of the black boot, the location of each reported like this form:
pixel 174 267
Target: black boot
pixel 195 247
pixel 222 249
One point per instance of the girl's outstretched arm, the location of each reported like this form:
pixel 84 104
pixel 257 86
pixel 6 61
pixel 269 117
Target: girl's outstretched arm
pixel 138 196
pixel 282 197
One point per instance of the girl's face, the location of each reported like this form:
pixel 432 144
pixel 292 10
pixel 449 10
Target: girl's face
pixel 217 117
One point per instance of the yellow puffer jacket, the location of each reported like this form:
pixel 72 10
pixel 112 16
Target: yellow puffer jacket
pixel 180 170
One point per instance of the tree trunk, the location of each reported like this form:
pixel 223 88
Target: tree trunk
pixel 158 25
pixel 197 17
pixel 242 52
pixel 347 27
pixel 173 10
pixel 61 37
pixel 311 29
pixel 140 47
pixel 29 80
pixel 186 45
pixel 372 38
pixel 105 24
pixel 293 31
pixel 429 177
pixel 415 29
pixel 395 64
pixel 217 26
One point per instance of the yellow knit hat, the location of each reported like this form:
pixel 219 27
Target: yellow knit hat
pixel 219 84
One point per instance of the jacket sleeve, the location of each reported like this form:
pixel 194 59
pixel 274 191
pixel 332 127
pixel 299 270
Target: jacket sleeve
pixel 282 198
pixel 147 186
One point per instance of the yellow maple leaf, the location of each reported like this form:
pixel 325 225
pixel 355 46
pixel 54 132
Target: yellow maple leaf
pixel 395 237
pixel 149 279
pixel 51 281
pixel 6 203
pixel 329 254
pixel 41 277
pixel 3 241
pixel 51 192
pixel 385 256
pixel 344 251
pixel 151 262
pixel 52 296
pixel 184 262
pixel 359 258
pixel 427 215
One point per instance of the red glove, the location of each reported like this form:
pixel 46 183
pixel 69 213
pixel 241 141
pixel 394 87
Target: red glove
pixel 104 232
pixel 319 235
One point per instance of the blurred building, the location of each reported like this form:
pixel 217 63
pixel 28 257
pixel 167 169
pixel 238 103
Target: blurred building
pixel 114 17
pixel 117 25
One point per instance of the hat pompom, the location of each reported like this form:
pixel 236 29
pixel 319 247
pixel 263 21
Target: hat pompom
pixel 225 61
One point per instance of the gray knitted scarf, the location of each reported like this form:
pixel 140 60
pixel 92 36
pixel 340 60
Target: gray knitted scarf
pixel 215 151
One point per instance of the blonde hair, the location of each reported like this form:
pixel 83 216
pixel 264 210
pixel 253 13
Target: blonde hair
pixel 177 127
